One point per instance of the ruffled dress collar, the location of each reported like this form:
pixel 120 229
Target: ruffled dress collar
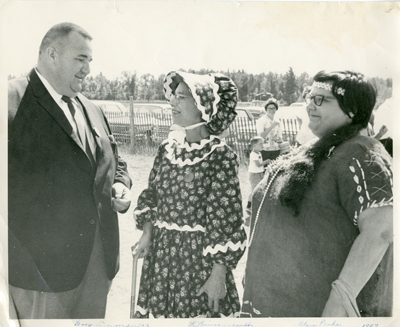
pixel 184 153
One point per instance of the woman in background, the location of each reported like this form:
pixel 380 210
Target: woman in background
pixel 270 130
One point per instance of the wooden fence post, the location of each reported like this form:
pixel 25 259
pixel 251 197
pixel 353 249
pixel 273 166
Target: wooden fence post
pixel 132 131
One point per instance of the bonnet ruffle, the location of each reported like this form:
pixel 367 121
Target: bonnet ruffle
pixel 215 96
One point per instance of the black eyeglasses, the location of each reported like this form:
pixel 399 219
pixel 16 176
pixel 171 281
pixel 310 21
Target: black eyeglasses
pixel 179 96
pixel 318 99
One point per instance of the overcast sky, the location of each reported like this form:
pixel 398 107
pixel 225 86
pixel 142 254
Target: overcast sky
pixel 159 36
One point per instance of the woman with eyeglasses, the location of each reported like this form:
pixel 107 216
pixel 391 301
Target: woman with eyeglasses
pixel 270 130
pixel 191 212
pixel 321 229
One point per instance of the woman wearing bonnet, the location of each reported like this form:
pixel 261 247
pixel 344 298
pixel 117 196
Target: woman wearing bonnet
pixel 191 212
pixel 321 234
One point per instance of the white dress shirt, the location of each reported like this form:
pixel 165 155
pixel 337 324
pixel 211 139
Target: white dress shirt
pixel 79 115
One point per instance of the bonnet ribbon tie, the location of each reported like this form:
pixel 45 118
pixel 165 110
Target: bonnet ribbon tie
pixel 178 133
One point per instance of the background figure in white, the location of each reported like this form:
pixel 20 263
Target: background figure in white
pixel 270 130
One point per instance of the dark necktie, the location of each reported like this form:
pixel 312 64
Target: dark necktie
pixel 73 111
pixel 81 129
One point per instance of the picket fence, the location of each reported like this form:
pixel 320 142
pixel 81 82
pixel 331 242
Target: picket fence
pixel 143 132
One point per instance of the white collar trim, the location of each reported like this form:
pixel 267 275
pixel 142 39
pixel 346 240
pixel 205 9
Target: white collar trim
pixel 169 147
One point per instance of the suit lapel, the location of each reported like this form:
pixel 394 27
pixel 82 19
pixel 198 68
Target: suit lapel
pixel 47 102
pixel 106 146
pixel 93 122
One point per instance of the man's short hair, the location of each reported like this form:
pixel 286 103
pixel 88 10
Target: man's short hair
pixel 61 31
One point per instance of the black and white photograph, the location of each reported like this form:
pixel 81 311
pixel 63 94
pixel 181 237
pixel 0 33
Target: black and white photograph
pixel 199 163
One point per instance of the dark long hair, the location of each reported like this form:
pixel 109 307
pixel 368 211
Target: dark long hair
pixel 357 102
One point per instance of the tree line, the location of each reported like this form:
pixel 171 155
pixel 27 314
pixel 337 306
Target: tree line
pixel 286 88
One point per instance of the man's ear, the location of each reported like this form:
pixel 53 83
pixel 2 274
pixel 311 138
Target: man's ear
pixel 51 53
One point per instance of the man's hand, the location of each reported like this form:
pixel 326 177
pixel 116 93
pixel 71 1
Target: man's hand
pixel 121 197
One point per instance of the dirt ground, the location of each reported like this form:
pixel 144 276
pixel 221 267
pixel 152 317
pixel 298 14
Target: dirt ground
pixel 119 298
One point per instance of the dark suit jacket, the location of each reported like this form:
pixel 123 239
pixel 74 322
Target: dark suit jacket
pixel 55 194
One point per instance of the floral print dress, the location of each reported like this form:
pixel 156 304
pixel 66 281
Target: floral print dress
pixel 193 200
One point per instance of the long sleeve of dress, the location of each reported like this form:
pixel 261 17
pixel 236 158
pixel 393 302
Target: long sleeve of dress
pixel 225 237
pixel 146 210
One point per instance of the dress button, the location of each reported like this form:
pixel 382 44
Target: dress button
pixel 92 221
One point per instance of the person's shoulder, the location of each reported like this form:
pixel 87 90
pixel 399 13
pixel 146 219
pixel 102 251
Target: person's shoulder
pixel 217 142
pixel 17 87
pixel 164 144
pixel 16 90
pixel 361 153
pixel 221 148
pixel 360 146
pixel 262 118
pixel 19 83
pixel 254 155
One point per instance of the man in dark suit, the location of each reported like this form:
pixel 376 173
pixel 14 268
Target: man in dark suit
pixel 66 183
